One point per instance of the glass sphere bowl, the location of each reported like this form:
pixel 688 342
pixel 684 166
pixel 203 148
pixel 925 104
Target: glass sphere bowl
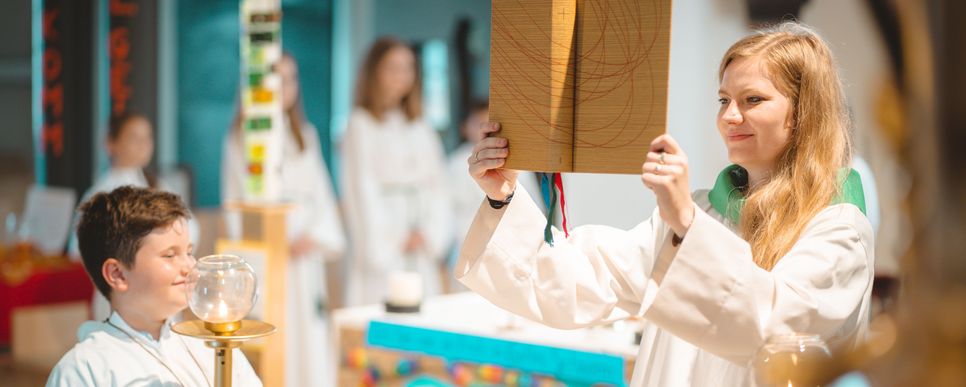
pixel 221 290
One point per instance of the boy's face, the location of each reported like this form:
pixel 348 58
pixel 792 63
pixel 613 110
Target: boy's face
pixel 156 283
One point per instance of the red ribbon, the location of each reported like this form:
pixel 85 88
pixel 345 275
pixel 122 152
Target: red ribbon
pixel 558 181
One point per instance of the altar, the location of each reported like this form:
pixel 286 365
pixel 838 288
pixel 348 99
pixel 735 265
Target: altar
pixel 462 339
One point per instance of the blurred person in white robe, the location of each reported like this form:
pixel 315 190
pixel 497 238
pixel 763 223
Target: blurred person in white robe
pixel 130 145
pixel 394 181
pixel 135 246
pixel 779 245
pixel 314 228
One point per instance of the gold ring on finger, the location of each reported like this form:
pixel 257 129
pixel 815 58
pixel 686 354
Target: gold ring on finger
pixel 660 158
pixel 657 168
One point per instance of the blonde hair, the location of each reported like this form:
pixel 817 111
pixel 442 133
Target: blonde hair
pixel 806 178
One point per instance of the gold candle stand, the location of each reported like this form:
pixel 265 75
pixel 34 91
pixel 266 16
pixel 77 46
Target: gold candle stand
pixel 223 337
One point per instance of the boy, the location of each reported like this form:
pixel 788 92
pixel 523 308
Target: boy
pixel 135 246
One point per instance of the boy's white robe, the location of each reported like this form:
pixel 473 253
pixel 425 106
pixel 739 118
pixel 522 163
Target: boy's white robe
pixel 707 306
pixel 105 356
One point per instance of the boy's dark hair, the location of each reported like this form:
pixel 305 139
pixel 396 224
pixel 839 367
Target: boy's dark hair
pixel 112 225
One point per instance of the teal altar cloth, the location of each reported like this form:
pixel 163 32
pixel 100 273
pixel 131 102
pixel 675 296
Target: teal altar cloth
pixel 573 367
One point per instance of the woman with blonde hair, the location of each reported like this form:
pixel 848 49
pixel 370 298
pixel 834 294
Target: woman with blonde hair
pixel 779 245
pixel 395 192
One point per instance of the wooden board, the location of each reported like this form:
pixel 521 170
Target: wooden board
pixel 579 85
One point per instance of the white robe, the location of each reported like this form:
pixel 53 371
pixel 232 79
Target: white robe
pixel 707 306
pixel 106 356
pixel 113 178
pixel 394 181
pixel 466 194
pixel 305 184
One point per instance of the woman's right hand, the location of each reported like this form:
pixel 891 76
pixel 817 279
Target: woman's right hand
pixel 486 164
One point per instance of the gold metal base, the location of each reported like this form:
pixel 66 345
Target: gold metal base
pixel 223 329
pixel 223 337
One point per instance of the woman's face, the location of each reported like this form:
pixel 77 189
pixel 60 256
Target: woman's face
pixel 755 118
pixel 396 75
pixel 134 146
pixel 288 71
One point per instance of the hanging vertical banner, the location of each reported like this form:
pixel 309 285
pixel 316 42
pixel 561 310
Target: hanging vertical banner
pixel 133 56
pixel 261 49
pixel 67 93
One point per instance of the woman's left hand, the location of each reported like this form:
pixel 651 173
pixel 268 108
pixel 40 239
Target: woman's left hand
pixel 666 173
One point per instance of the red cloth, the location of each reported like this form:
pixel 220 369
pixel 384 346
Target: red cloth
pixel 45 286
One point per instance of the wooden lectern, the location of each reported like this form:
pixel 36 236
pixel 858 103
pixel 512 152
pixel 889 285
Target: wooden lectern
pixel 263 243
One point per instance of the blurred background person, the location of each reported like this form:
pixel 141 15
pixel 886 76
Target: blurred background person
pixel 394 180
pixel 314 228
pixel 130 146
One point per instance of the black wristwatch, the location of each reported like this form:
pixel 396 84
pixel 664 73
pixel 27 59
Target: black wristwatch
pixel 498 204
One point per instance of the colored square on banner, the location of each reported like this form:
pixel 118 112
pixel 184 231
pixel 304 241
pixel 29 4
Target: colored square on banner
pixel 255 184
pixel 262 95
pixel 255 169
pixel 255 78
pixel 256 56
pixel 258 18
pixel 262 37
pixel 258 123
pixel 256 152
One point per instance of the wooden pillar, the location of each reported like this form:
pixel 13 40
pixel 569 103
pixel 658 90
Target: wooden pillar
pixel 264 244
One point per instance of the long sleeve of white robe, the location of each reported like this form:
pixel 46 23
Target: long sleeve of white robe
pixel 707 291
pixel 380 159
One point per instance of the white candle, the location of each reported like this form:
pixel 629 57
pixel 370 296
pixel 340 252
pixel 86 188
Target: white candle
pixel 222 310
pixel 405 288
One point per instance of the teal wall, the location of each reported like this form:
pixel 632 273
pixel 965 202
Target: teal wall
pixel 208 78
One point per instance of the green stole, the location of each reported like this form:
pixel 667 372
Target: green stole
pixel 728 199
